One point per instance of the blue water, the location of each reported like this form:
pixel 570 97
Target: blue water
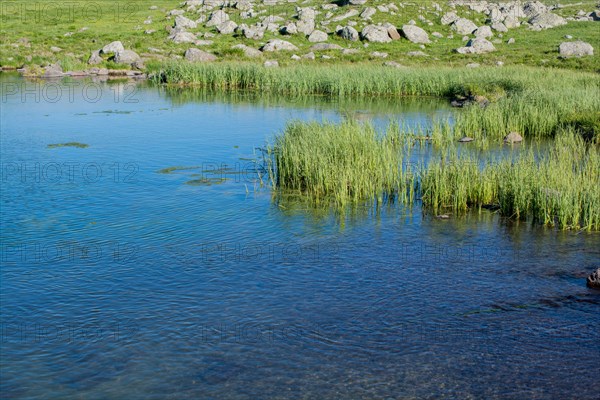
pixel 121 282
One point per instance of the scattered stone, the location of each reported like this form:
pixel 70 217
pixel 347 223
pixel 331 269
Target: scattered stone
pixel 95 58
pixel 53 71
pixel 197 55
pixel 349 33
pixel 55 49
pixel 350 51
pixel 437 35
pixel 499 63
pixel 511 22
pixel 417 53
pixel 128 57
pixel 464 26
pixel 309 56
pixel 296 57
pixel 546 21
pixel 513 137
pixel 376 34
pixel 465 139
pixel 415 34
pixel 510 41
pixel 317 36
pixel 392 32
pixel 325 47
pixel 182 37
pixel 499 27
pixel 393 64
pixel 271 64
pixel 593 281
pixel 473 65
pixel 449 18
pixel 217 18
pixel 278 45
pixel 483 32
pixel 477 46
pixel 113 47
pixel 575 49
pixel 249 52
pixel 379 54
pixel 368 13
pixel 227 27
pixel 182 22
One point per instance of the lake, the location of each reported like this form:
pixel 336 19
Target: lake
pixel 122 281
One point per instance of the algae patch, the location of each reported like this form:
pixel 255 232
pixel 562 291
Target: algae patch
pixel 68 144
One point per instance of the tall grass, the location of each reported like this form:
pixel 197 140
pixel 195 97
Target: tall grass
pixel 532 101
pixel 351 164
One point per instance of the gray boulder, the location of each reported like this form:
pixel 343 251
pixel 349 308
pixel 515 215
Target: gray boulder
pixel 367 13
pixel 499 27
pixel 464 26
pixel 415 34
pixel 449 18
pixel 53 71
pixel 95 58
pixel 227 27
pixel 182 37
pixel 349 33
pixel 483 32
pixel 184 23
pixel 113 47
pixel 547 21
pixel 325 47
pixel 217 18
pixel 317 36
pixel 593 281
pixel 575 49
pixel 128 57
pixel 197 55
pixel 271 64
pixel 513 137
pixel 511 22
pixel 248 51
pixel 278 45
pixel 305 27
pixel 376 34
pixel 477 46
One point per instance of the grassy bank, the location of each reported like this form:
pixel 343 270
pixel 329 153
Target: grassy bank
pixel 350 164
pixel 531 101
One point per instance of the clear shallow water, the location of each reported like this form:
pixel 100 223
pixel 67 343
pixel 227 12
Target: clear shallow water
pixel 118 281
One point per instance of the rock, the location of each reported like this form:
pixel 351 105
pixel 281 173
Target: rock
pixel 184 23
pixel 95 58
pixel 477 46
pixel 368 13
pixel 289 29
pixel 392 31
pixel 128 57
pixel 182 37
pixel 593 281
pixel 253 33
pixel 305 27
pixel 227 27
pixel 350 51
pixel 465 139
pixel 325 47
pixel 113 47
pixel 278 45
pixel 393 64
pixel 55 49
pixel 349 33
pixel 415 34
pixel 309 56
pixel 203 42
pixel 317 36
pixel 271 64
pixel 379 54
pixel 197 55
pixel 483 32
pixel 376 34
pixel 357 2
pixel 296 57
pixel 533 8
pixel 473 65
pixel 575 49
pixel 217 18
pixel 499 63
pixel 464 26
pixel 499 27
pixel 417 53
pixel 346 15
pixel 248 51
pixel 513 137
pixel 53 71
pixel 306 14
pixel 511 22
pixel 547 21
pixel 449 18
pixel 510 41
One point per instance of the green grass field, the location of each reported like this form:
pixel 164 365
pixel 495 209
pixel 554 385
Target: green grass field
pixel 28 30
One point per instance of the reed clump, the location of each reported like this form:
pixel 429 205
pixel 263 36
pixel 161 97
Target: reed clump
pixel 350 164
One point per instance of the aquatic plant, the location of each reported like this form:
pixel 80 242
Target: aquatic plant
pixel 68 144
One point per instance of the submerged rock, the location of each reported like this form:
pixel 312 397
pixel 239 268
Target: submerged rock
pixel 593 281
pixel 465 139
pixel 513 137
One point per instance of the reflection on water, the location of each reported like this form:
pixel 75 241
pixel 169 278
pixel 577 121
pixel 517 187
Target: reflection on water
pixel 121 282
